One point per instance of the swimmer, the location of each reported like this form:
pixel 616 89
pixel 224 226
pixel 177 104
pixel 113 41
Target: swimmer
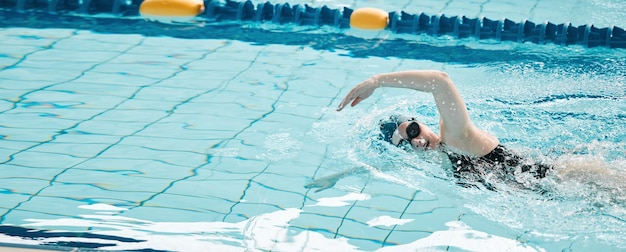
pixel 467 147
pixel 476 156
pixel 472 152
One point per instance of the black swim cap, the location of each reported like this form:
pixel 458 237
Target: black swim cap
pixel 388 126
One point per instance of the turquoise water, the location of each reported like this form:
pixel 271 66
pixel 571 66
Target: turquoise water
pixel 123 141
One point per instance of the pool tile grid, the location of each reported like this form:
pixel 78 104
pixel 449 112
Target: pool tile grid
pixel 13 157
pixel 173 155
pixel 117 130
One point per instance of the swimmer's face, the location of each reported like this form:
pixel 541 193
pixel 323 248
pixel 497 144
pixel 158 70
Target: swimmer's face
pixel 420 139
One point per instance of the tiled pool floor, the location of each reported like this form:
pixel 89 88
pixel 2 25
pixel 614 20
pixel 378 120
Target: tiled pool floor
pixel 206 130
pixel 159 137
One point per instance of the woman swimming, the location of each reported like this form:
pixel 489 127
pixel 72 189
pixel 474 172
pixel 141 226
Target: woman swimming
pixel 475 155
pixel 473 152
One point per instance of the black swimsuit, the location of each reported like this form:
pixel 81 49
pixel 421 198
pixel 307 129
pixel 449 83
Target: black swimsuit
pixel 500 160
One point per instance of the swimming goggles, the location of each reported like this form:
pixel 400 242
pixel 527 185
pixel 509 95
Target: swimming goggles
pixel 412 131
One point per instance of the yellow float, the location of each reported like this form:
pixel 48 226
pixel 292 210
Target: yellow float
pixel 369 19
pixel 171 8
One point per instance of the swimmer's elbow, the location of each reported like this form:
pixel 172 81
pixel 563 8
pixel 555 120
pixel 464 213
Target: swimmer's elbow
pixel 436 75
pixel 442 82
pixel 443 77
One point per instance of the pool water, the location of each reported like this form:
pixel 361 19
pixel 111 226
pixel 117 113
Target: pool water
pixel 130 141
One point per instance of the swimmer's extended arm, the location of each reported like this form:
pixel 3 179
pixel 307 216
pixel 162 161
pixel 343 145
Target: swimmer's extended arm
pixel 456 127
pixel 324 183
pixel 447 98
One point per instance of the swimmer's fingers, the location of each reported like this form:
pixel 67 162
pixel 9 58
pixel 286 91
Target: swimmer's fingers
pixel 358 94
pixel 349 99
pixel 356 101
pixel 343 103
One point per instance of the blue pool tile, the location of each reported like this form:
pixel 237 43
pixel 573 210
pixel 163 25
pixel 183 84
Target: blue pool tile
pixel 49 208
pixel 210 100
pixel 116 79
pixel 259 193
pixel 391 191
pixel 37 74
pixel 68 100
pixel 12 145
pixel 361 235
pixel 205 208
pixel 155 60
pixel 10 200
pixel 166 208
pixel 175 158
pixel 16 171
pixel 141 168
pixel 199 80
pixel 212 171
pixel 45 159
pixel 221 120
pixel 297 167
pixel 113 128
pixel 73 68
pixel 197 197
pixel 8 97
pixel 137 117
pixel 74 136
pixel 26 217
pixel 86 43
pixel 378 221
pixel 41 37
pixel 228 65
pixel 157 44
pixel 429 220
pixel 23 86
pixel 167 94
pixel 62 55
pixel 321 223
pixel 245 211
pixel 111 181
pixel 136 104
pixel 22 185
pixel 166 143
pixel 151 70
pixel 231 190
pixel 100 89
pixel 237 164
pixel 316 100
pixel 393 205
pixel 287 195
pixel 10 54
pixel 79 150
pixel 178 130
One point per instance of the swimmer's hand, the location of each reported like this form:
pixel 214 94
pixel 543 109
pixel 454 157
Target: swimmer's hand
pixel 323 183
pixel 360 92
